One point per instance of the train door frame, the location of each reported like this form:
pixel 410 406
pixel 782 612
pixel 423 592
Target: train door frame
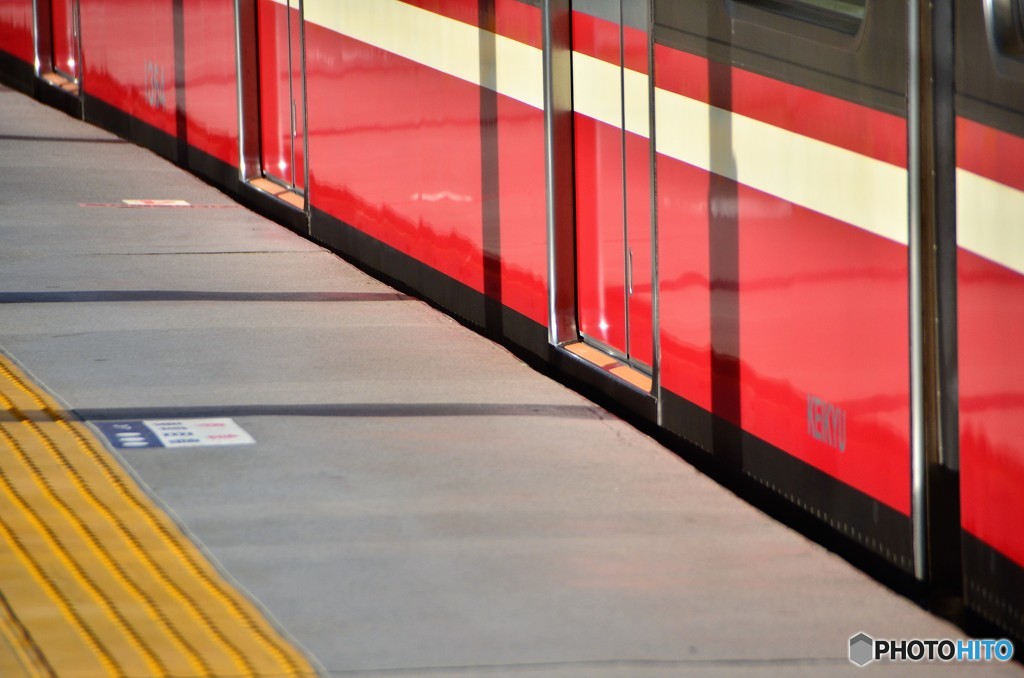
pixel 559 135
pixel 932 243
pixel 251 171
pixel 269 67
pixel 44 36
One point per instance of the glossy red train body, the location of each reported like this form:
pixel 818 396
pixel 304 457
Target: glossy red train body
pixel 773 255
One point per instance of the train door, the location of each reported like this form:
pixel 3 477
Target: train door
pixel 989 110
pixel 282 97
pixel 58 45
pixel 65 44
pixel 614 275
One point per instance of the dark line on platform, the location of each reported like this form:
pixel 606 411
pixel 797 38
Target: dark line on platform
pixel 72 140
pixel 355 410
pixel 86 296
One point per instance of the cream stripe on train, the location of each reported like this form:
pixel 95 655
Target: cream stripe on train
pixel 856 189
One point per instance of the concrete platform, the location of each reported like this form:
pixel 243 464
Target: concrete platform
pixel 418 501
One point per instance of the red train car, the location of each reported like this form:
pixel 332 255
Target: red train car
pixel 17 48
pixel 989 213
pixel 784 231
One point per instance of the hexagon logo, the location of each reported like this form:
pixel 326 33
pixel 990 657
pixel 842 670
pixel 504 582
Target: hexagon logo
pixel 862 649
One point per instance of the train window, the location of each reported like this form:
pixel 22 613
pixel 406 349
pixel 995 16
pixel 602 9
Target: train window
pixel 841 15
pixel 1006 19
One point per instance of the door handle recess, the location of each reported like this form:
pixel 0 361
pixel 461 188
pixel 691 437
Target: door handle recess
pixel 629 271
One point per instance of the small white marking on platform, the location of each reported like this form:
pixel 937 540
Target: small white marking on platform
pixel 156 203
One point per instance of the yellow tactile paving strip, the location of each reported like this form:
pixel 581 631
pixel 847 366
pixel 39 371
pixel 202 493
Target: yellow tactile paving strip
pixel 95 580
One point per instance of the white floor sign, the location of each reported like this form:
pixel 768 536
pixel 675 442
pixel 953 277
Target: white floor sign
pixel 174 433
